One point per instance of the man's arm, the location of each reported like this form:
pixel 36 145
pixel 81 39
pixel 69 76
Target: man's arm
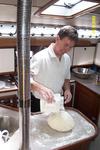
pixel 67 93
pixel 43 91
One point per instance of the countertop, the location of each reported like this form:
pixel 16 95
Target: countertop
pixel 90 83
pixel 43 137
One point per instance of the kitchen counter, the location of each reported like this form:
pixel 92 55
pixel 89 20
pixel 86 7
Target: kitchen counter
pixel 44 138
pixel 90 83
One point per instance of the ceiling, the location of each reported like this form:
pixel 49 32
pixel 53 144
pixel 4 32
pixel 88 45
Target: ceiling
pixel 8 9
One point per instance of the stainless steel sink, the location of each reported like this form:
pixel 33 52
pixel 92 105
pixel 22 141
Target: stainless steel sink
pixel 8 123
pixel 8 120
pixel 82 72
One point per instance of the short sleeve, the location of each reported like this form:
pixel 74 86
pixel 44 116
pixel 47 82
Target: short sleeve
pixel 34 66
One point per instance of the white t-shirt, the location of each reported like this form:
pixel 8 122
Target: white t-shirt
pixel 48 70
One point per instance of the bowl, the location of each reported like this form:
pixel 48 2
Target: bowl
pixel 82 72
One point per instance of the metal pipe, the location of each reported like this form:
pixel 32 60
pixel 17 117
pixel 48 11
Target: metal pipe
pixel 23 47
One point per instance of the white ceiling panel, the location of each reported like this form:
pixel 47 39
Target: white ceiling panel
pixel 38 3
pixel 8 13
pixel 11 12
pixel 8 2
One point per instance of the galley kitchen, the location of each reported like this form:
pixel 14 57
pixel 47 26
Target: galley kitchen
pixel 49 74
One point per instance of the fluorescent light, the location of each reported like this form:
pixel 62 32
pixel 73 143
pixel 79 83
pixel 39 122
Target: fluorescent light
pixel 6 29
pixel 87 33
pixel 44 30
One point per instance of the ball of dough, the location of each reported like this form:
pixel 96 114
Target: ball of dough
pixel 61 121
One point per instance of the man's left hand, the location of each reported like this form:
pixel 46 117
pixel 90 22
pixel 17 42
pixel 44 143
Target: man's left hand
pixel 67 96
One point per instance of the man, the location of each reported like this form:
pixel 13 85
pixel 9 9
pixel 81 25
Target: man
pixel 50 69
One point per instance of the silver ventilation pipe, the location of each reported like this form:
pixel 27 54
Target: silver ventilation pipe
pixel 23 47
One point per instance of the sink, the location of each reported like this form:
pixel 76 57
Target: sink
pixel 8 120
pixel 82 72
pixel 8 123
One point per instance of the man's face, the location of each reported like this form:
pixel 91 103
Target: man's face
pixel 64 45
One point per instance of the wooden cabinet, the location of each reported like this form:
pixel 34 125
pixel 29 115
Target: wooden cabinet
pixel 87 101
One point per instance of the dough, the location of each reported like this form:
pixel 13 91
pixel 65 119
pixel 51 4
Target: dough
pixel 61 121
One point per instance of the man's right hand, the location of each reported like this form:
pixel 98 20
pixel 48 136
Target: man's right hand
pixel 46 94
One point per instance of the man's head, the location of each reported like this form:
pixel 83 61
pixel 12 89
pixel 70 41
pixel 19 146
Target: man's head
pixel 66 39
pixel 69 32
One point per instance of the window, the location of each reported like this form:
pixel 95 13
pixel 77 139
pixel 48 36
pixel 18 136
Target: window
pixel 68 7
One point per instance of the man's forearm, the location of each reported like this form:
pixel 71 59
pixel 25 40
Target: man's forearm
pixel 67 92
pixel 43 91
pixel 66 85
pixel 35 86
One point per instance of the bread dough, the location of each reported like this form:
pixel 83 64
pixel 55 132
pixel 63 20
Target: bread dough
pixel 61 121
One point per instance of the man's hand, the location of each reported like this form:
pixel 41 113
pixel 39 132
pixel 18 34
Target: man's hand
pixel 46 94
pixel 67 96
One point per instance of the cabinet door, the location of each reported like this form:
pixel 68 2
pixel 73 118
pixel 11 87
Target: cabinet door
pixel 83 55
pixel 87 102
pixel 97 56
pixel 70 53
pixel 7 60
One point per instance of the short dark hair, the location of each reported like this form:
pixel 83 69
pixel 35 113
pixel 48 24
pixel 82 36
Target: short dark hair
pixel 68 31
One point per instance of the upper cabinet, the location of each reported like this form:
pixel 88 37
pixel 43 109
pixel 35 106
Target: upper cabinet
pixel 70 53
pixel 97 56
pixel 83 55
pixel 7 60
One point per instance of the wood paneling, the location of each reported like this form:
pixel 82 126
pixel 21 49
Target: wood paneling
pixel 36 41
pixel 41 41
pixel 7 42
